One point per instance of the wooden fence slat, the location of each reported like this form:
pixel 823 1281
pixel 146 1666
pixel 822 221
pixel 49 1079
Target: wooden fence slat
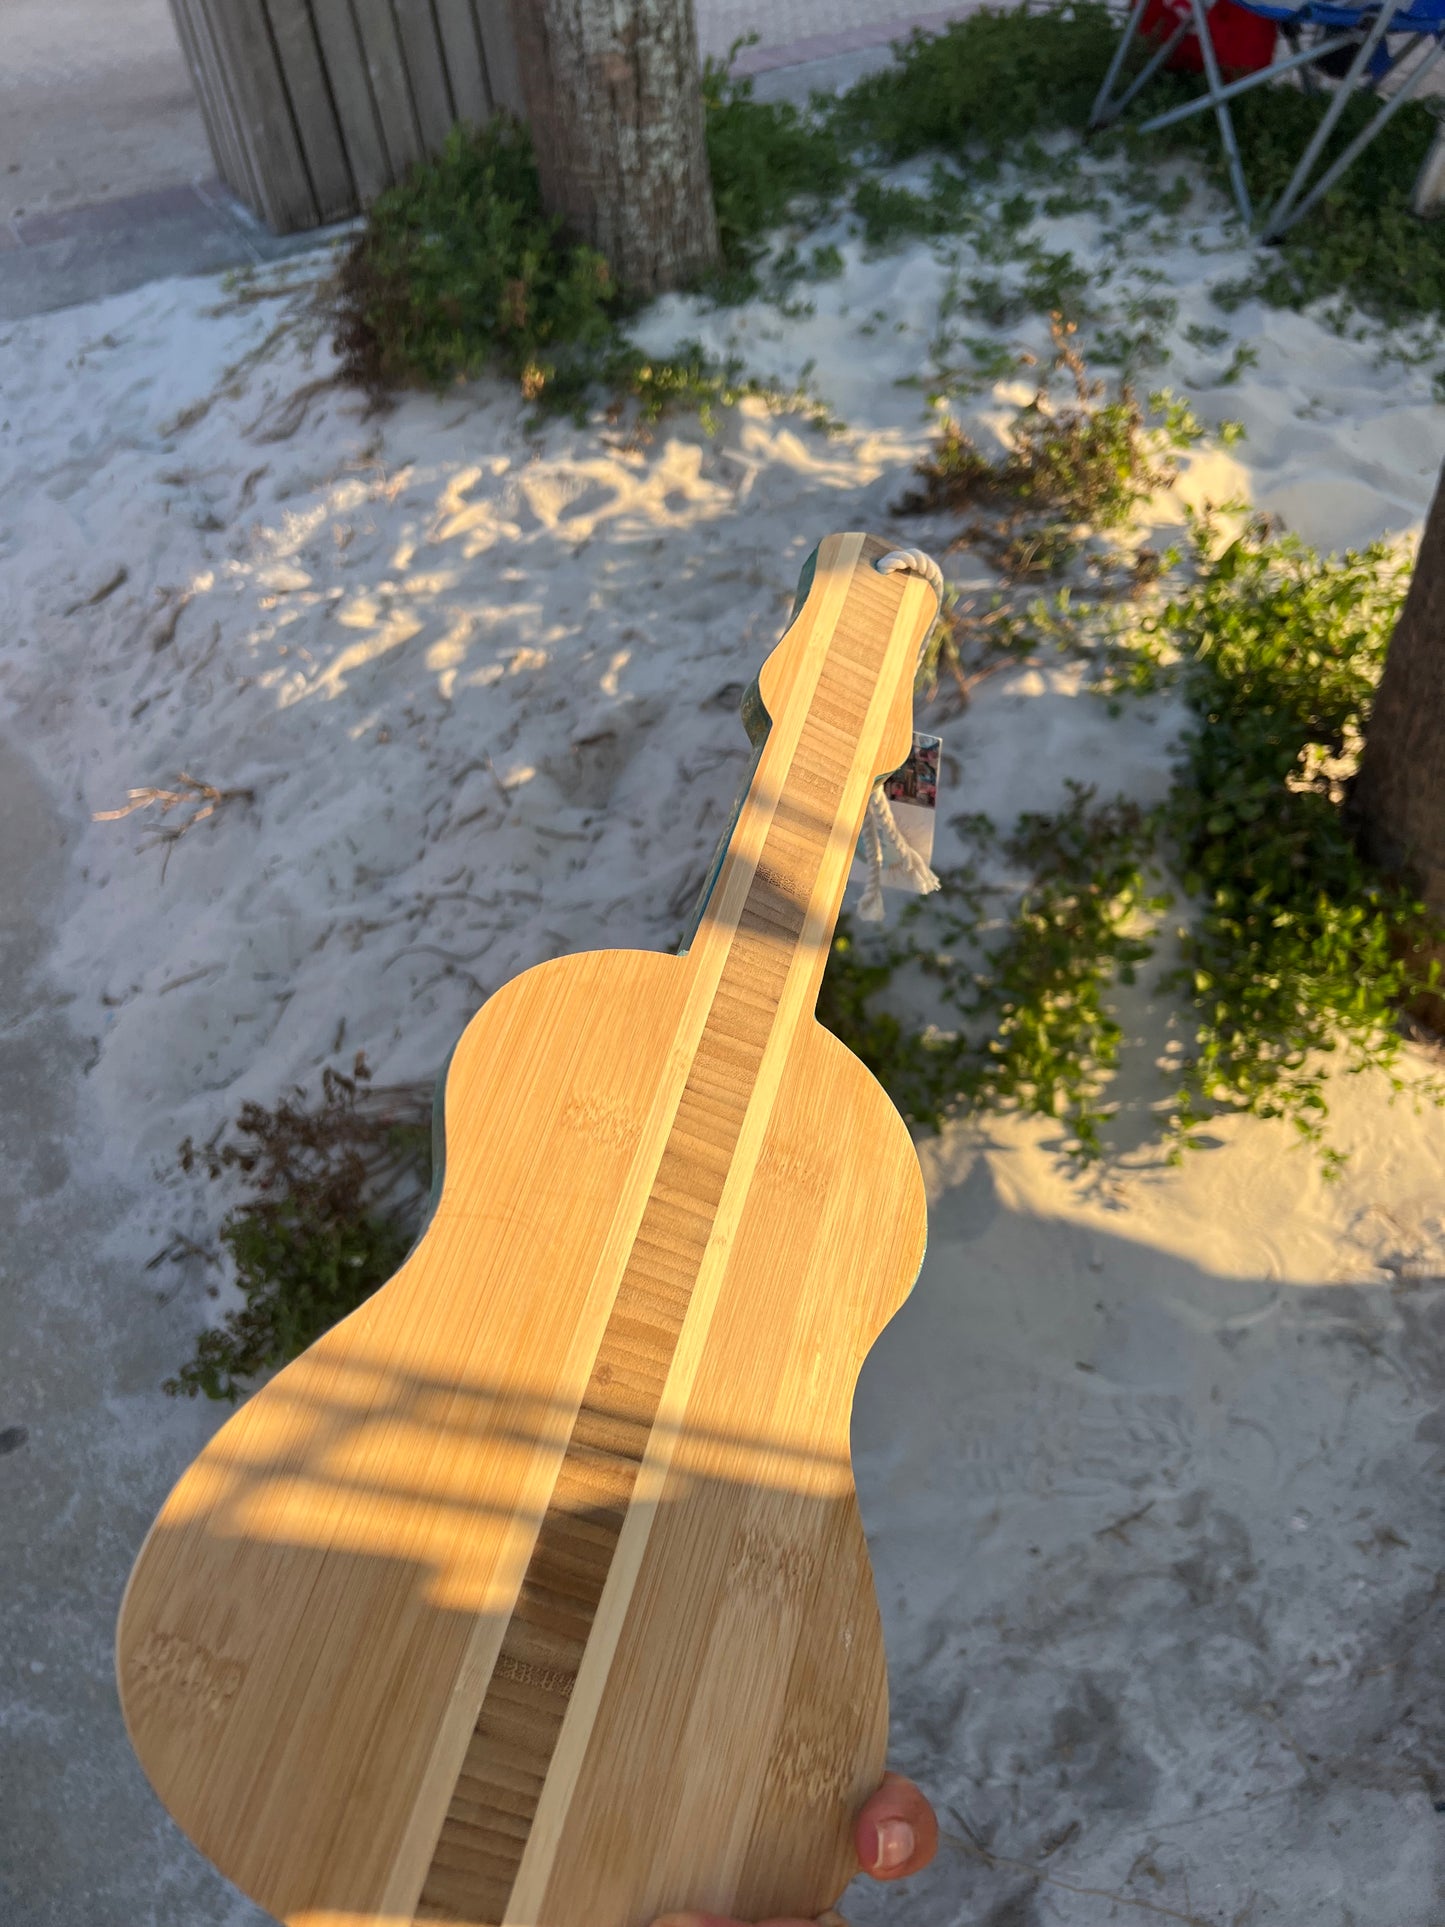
pixel 427 70
pixel 314 107
pixel 218 133
pixel 351 90
pixel 227 145
pixel 462 51
pixel 385 65
pixel 311 109
pixel 504 76
pixel 254 80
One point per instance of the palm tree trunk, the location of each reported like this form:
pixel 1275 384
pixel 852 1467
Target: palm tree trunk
pixel 612 96
pixel 1398 798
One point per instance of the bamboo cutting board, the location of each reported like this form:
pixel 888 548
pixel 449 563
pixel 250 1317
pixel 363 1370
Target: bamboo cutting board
pixel 534 1594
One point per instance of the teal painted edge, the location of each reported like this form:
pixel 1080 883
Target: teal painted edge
pixel 757 722
pixel 438 1152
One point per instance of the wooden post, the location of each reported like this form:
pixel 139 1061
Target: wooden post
pixel 314 107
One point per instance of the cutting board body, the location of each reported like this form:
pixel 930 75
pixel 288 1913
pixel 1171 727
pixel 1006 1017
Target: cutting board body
pixel 535 1592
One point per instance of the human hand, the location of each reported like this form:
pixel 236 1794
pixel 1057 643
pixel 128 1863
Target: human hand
pixel 895 1834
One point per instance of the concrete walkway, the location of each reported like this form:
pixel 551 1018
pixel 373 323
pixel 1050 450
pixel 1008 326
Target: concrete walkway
pixel 95 103
pixel 78 1824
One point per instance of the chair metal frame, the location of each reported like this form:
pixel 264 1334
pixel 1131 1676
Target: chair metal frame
pixel 1365 71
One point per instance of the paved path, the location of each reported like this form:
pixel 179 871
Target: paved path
pixel 95 103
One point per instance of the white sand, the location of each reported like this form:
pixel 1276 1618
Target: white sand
pixel 482 686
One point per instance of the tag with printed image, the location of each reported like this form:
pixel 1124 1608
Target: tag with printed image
pixel 910 797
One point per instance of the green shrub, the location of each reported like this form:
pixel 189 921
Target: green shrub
pixel 1032 1026
pixel 1297 956
pixel 1361 240
pixel 460 271
pixel 1089 460
pixel 335 1201
pixel 1292 956
pixel 987 83
pixel 768 160
pixel 987 87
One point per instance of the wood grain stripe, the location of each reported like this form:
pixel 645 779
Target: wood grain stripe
pixel 480 1849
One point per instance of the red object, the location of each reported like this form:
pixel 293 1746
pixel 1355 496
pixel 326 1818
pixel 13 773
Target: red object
pixel 1243 42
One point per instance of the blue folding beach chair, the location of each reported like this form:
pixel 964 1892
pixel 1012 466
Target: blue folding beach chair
pixel 1370 43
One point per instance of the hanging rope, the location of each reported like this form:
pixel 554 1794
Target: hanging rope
pixel 880 822
pixel 915 562
pixel 870 907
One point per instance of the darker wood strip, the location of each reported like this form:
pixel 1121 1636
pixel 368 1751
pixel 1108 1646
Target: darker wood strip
pixel 489 1820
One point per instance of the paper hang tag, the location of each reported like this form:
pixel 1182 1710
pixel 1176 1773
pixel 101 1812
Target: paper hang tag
pixel 912 792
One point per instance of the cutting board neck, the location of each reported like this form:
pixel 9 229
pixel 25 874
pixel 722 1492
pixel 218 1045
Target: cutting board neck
pixel 838 696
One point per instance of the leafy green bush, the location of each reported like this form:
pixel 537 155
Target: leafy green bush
pixel 1090 460
pixel 1074 934
pixel 988 83
pixel 1033 1026
pixel 336 1196
pixel 767 160
pixel 1292 955
pixel 1297 956
pixel 1361 240
pixel 459 271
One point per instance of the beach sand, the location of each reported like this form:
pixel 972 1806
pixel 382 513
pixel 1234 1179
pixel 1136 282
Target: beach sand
pixel 1150 1462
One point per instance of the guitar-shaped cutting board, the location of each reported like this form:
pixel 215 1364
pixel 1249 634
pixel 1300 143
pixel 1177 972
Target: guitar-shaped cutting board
pixel 535 1594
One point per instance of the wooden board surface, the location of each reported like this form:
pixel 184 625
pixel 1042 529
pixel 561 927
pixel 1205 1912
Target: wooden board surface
pixel 312 109
pixel 350 85
pixel 535 1594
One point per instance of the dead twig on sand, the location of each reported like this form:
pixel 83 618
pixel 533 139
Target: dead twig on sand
pixel 107 588
pixel 205 797
pixel 971 1844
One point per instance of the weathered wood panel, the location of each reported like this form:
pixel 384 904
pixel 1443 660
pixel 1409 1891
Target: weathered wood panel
pixel 315 107
pixel 216 109
pixel 308 95
pixel 431 96
pixel 345 59
pixel 253 78
pixel 466 69
pixel 386 65
pixel 499 47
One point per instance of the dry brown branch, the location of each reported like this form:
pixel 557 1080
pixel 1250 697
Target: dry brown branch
pixel 191 790
pixel 107 588
pixel 279 421
pixel 206 798
pixel 173 603
pixel 976 1847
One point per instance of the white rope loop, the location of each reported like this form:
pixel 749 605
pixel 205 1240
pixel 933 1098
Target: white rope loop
pixel 915 562
pixel 880 822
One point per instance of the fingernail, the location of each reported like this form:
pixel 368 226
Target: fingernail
pixel 895 1845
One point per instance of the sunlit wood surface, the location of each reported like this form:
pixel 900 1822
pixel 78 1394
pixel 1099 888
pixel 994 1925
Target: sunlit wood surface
pixel 535 1594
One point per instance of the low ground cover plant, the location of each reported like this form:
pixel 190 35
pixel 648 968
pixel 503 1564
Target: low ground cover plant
pixel 460 271
pixel 1292 965
pixel 1085 459
pixel 333 1194
pixel 984 89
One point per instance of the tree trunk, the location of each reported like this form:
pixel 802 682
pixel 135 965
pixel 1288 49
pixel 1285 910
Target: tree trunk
pixel 613 102
pixel 1398 797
